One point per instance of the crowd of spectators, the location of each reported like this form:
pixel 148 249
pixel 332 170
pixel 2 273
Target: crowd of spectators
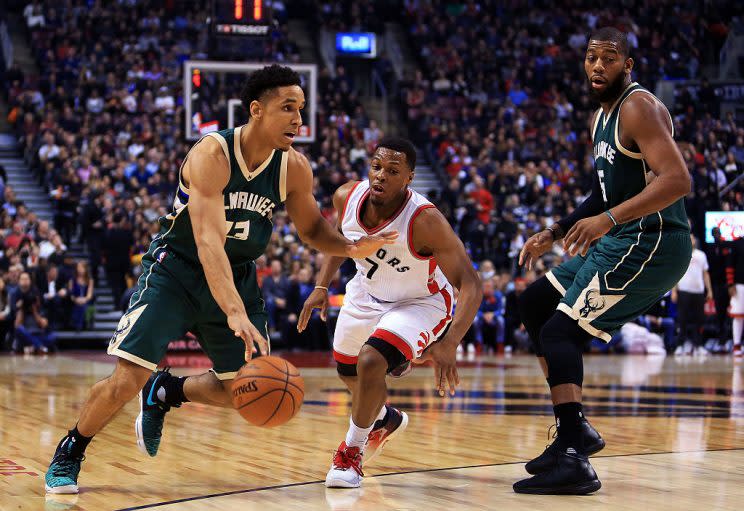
pixel 498 101
pixel 42 288
pixel 101 128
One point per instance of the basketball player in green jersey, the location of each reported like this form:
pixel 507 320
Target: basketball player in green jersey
pixel 636 215
pixel 199 273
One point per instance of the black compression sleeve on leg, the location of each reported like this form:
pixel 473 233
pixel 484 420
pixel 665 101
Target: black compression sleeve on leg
pixel 346 369
pixel 563 343
pixel 536 305
pixel 392 354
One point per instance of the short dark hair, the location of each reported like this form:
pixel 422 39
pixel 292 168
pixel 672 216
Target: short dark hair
pixel 264 80
pixel 614 35
pixel 402 145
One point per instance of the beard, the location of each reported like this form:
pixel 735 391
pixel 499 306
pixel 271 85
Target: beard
pixel 611 92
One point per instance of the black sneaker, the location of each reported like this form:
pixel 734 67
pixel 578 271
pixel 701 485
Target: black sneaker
pixel 593 443
pixel 571 474
pixel 149 423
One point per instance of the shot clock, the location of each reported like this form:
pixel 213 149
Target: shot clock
pixel 241 18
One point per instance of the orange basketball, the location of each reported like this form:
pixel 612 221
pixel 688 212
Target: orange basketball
pixel 268 391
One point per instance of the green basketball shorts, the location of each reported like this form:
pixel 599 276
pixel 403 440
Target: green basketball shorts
pixel 173 298
pixel 620 278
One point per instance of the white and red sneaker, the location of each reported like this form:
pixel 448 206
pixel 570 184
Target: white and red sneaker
pixel 737 351
pixel 346 469
pixel 381 434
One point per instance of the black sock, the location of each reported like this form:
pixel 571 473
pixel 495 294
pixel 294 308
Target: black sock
pixel 173 387
pixel 75 442
pixel 581 413
pixel 569 417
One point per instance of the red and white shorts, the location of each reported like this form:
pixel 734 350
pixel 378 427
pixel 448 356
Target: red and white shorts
pixel 736 305
pixel 409 325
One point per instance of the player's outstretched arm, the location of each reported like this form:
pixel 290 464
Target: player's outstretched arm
pixel 318 299
pixel 433 235
pixel 311 226
pixel 208 173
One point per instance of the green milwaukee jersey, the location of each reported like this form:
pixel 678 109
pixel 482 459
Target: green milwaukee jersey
pixel 249 197
pixel 622 173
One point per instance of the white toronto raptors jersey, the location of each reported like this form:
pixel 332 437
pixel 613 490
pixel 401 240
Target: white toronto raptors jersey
pixel 396 272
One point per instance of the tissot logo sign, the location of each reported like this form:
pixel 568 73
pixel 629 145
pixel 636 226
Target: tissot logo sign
pixel 233 29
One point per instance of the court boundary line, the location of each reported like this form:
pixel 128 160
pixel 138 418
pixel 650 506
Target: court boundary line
pixel 404 472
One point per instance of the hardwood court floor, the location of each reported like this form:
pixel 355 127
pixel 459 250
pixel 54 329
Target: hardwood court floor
pixel 674 430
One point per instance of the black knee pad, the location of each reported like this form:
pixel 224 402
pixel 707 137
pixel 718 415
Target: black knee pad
pixel 346 369
pixel 536 305
pixel 392 355
pixel 563 341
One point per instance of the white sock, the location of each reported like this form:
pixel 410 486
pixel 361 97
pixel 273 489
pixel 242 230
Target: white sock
pixel 737 326
pixel 356 436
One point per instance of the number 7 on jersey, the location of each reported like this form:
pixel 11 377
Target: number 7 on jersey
pixel 374 265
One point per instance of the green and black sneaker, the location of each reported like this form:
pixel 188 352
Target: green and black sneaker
pixel 149 423
pixel 61 477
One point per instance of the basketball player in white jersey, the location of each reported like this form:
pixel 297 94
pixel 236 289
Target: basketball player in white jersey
pixel 398 305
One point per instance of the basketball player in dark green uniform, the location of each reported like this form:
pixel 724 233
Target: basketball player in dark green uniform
pixel 199 273
pixel 636 215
